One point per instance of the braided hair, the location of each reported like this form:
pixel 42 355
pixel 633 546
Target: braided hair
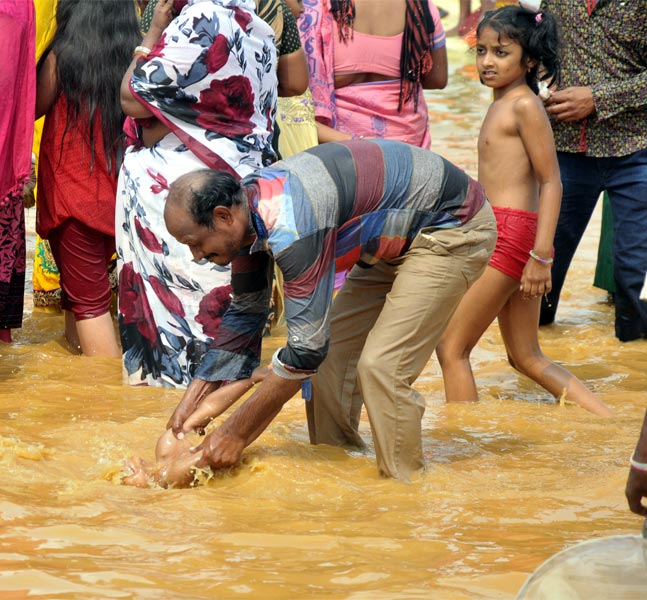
pixel 417 43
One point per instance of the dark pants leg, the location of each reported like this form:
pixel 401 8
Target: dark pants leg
pixel 625 180
pixel 582 186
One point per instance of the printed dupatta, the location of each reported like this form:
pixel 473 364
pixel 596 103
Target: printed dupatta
pixel 217 95
pixel 316 31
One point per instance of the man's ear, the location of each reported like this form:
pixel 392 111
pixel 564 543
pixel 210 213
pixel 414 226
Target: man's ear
pixel 222 216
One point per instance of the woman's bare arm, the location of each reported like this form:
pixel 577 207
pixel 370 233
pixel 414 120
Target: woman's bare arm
pixel 292 73
pixel 162 17
pixel 436 79
pixel 46 85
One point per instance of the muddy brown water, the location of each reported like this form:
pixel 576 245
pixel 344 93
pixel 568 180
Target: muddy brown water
pixel 510 480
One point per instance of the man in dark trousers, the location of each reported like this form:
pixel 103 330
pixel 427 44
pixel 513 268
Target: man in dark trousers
pixel 600 125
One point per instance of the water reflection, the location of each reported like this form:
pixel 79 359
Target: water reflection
pixel 511 480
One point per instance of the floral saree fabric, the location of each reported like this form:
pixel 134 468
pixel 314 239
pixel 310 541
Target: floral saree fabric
pixel 211 80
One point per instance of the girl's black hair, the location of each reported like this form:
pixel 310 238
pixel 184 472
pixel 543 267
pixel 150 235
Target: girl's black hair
pixel 93 43
pixel 538 35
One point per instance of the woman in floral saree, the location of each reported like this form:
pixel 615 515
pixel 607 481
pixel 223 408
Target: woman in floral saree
pixel 203 96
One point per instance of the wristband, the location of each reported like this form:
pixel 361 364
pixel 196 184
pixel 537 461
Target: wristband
pixel 141 51
pixel 542 260
pixel 639 466
pixel 280 369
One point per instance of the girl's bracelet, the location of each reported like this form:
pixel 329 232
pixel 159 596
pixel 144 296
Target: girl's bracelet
pixel 541 259
pixel 639 466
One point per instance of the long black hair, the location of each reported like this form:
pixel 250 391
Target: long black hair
pixel 93 43
pixel 538 35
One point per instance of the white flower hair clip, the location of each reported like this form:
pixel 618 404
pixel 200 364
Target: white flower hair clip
pixel 543 91
pixel 531 5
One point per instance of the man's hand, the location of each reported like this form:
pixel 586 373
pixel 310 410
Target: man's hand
pixel 223 446
pixel 570 104
pixel 220 449
pixel 636 490
pixel 198 389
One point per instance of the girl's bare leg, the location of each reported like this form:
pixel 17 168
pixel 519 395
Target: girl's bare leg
pixel 519 322
pixel 476 311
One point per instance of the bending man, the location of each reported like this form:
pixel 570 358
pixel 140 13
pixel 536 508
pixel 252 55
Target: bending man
pixel 416 231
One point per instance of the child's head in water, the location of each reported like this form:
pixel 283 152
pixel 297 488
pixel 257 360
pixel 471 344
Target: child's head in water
pixel 536 33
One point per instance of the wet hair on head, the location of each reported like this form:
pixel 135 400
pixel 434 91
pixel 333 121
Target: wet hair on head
pixel 538 35
pixel 212 188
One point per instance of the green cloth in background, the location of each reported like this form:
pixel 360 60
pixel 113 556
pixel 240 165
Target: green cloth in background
pixel 604 268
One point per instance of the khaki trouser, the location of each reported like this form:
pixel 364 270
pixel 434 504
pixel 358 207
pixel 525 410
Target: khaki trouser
pixel 386 322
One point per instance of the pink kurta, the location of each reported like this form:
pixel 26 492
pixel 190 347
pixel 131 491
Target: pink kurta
pixel 17 107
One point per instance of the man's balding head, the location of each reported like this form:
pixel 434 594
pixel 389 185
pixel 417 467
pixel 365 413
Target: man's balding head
pixel 207 211
pixel 200 192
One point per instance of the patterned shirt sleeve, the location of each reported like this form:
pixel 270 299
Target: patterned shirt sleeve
pixel 308 268
pixel 605 49
pixel 614 97
pixel 235 351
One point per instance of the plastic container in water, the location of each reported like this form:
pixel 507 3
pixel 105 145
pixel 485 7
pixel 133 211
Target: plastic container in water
pixel 610 568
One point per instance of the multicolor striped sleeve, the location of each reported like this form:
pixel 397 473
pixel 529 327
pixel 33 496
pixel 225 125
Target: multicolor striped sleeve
pixel 235 351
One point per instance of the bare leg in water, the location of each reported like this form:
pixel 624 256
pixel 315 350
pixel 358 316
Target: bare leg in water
pixel 496 295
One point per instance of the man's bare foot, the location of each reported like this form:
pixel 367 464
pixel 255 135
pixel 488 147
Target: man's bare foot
pixel 137 473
